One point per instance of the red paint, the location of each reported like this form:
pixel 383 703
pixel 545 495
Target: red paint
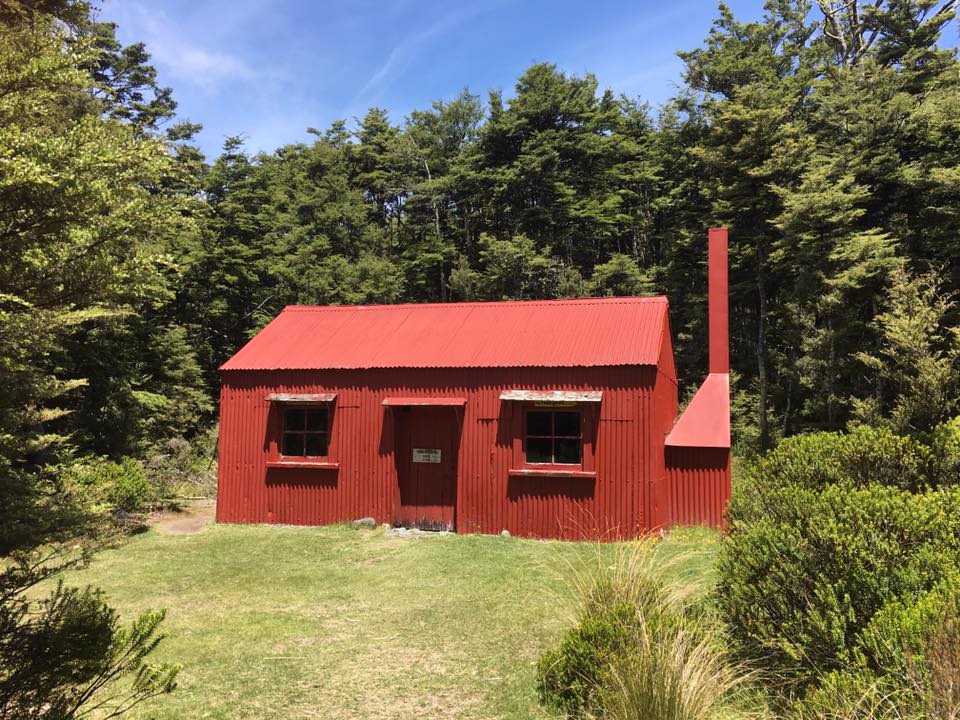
pixel 699 485
pixel 718 301
pixel 623 447
pixel 590 332
pixel 459 379
pixel 706 420
pixel 427 490
pixel 697 451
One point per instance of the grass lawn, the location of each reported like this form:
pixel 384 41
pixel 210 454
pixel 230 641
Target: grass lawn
pixel 284 622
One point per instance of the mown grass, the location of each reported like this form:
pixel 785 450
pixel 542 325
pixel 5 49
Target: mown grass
pixel 283 622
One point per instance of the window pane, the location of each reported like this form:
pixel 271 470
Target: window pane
pixel 567 423
pixel 317 420
pixel 292 444
pixel 293 420
pixel 538 423
pixel 568 451
pixel 539 450
pixel 316 445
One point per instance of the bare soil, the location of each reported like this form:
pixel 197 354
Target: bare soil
pixel 188 521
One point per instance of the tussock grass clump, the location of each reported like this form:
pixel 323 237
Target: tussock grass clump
pixel 642 647
pixel 942 659
pixel 671 676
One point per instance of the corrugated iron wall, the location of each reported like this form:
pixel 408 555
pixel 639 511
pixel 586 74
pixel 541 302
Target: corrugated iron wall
pixel 665 400
pixel 628 450
pixel 698 485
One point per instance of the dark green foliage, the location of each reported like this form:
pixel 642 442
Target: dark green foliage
pixel 90 201
pixel 863 456
pixel 805 571
pixel 835 171
pixel 122 486
pixel 842 557
pixel 61 650
pixel 829 143
pixel 572 677
pixel 905 664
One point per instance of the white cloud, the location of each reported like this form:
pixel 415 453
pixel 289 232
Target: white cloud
pixel 404 52
pixel 170 50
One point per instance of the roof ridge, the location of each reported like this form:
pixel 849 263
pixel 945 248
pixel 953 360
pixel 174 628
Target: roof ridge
pixel 625 300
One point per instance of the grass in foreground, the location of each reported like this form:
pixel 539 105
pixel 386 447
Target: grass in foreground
pixel 341 623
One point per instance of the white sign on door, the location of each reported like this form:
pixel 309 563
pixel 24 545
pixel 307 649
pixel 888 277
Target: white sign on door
pixel 426 455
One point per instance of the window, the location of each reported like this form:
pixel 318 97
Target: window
pixel 306 432
pixel 553 437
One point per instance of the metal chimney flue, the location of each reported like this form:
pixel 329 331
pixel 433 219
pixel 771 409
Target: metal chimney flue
pixel 717 301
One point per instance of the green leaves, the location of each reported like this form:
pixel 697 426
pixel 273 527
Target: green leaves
pixel 804 571
pixel 917 368
pixel 66 655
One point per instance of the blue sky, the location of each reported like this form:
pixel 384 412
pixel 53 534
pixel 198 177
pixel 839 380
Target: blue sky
pixel 269 70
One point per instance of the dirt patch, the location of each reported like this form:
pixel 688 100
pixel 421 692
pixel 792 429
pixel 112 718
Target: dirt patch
pixel 189 521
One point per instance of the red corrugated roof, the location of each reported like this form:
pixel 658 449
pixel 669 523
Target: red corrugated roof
pixel 539 333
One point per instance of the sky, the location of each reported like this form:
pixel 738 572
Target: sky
pixel 269 70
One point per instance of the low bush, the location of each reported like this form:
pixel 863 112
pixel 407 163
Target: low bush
pixel 114 486
pixel 177 470
pixel 570 678
pixel 842 555
pixel 894 673
pixel 860 695
pixel 180 469
pixel 128 488
pixel 803 573
pixel 945 444
pixel 866 455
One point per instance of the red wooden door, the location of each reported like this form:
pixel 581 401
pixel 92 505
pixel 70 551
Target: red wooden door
pixel 427 440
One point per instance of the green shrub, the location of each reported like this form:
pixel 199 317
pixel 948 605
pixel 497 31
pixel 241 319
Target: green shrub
pixel 861 695
pixel 863 456
pixel 945 445
pixel 121 486
pixel 571 677
pixel 895 639
pixel 803 573
pixel 129 489
pixel 901 662
pixel 877 455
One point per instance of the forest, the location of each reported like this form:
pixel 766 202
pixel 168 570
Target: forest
pixel 825 136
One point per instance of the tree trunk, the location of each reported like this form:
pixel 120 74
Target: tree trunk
pixel 433 201
pixel 831 369
pixel 762 350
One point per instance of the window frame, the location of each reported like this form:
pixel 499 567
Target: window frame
pixel 553 436
pixel 589 421
pixel 273 441
pixel 306 408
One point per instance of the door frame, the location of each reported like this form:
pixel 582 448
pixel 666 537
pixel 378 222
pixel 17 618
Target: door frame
pixel 402 415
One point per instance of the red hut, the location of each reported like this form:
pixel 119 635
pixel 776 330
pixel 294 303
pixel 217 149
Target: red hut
pixel 543 418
